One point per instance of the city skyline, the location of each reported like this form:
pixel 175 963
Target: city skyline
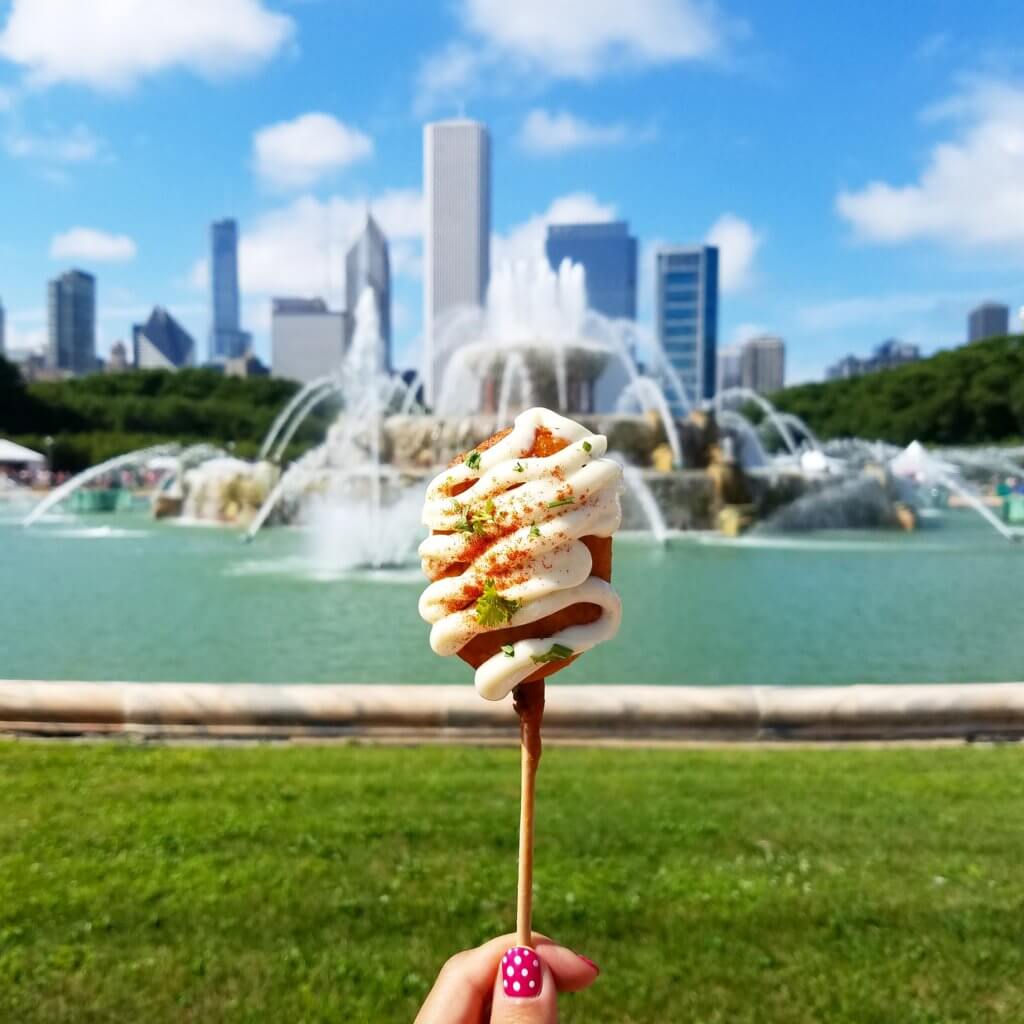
pixel 855 230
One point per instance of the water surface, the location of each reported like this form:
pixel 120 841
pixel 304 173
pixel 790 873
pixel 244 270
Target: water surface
pixel 124 598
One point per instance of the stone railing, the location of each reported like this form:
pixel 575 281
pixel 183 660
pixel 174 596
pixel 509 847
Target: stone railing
pixel 574 713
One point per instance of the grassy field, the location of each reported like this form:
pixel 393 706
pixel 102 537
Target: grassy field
pixel 328 884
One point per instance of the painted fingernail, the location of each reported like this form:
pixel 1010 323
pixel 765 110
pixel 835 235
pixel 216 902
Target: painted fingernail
pixel 590 963
pixel 521 974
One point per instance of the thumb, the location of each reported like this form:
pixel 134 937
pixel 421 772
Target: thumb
pixel 524 990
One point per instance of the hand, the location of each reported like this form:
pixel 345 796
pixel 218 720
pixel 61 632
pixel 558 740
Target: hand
pixel 502 983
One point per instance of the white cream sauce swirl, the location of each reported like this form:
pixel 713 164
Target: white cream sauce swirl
pixel 551 502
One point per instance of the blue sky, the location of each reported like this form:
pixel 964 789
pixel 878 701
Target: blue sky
pixel 861 165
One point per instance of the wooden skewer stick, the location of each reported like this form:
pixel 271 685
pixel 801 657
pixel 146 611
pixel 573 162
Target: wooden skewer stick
pixel 528 700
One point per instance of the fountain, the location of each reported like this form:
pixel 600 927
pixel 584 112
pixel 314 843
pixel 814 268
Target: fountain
pixel 361 510
pixel 535 341
pixel 920 468
pixel 536 338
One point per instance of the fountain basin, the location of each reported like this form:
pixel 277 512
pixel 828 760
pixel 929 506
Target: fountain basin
pixel 623 714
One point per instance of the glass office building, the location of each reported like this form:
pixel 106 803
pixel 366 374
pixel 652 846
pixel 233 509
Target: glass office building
pixel 227 339
pixel 71 308
pixel 161 343
pixel 686 310
pixel 608 255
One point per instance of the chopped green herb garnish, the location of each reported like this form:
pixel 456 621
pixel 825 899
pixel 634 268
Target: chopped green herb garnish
pixel 561 501
pixel 587 446
pixel 471 523
pixel 519 467
pixel 473 460
pixel 454 508
pixel 476 520
pixel 557 652
pixel 491 608
pixel 508 650
pixel 534 531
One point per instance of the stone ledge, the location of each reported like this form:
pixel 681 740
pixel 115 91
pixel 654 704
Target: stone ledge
pixel 574 713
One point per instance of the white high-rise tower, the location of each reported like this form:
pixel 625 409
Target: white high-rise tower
pixel 457 191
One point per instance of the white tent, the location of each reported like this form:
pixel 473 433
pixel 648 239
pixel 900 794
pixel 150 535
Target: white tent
pixel 11 452
pixel 915 463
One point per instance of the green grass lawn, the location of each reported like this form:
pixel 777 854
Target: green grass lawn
pixel 329 883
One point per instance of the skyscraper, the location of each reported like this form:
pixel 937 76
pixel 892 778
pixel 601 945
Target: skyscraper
pixel 763 364
pixel 161 343
pixel 117 362
pixel 730 373
pixel 307 340
pixel 686 311
pixel 608 255
pixel 989 320
pixel 457 192
pixel 227 339
pixel 3 340
pixel 367 266
pixel 71 311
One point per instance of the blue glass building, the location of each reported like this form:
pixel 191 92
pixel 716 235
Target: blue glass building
pixel 71 311
pixel 686 311
pixel 227 339
pixel 608 255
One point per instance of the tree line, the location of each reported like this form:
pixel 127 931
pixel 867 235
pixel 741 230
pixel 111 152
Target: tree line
pixel 968 395
pixel 102 415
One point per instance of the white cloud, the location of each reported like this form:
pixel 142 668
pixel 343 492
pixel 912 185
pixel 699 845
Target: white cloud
pixel 299 249
pixel 93 246
pixel 578 39
pixel 300 152
pixel 525 241
pixel 25 339
pixel 581 38
pixel 452 72
pixel 111 44
pixel 544 133
pixel 80 145
pixel 737 245
pixel 969 193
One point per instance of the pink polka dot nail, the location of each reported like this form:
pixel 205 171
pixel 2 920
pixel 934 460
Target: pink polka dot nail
pixel 521 974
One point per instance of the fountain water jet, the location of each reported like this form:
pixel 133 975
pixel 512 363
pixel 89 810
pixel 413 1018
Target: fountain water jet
pixel 286 413
pixel 536 328
pixel 135 458
pixel 740 394
pixel 349 487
